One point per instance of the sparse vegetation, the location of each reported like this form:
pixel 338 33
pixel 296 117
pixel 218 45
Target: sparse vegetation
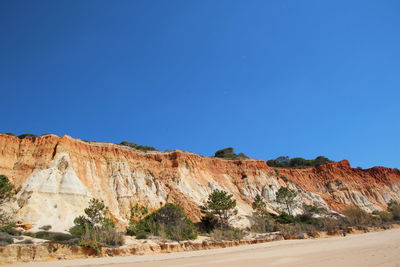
pixel 394 209
pixel 356 216
pixel 384 215
pixel 227 234
pixel 136 146
pixel 286 162
pixel 229 153
pixel 169 222
pixel 221 206
pixel 6 218
pixel 27 135
pixel 138 212
pixel 286 196
pixel 262 220
pixel 95 229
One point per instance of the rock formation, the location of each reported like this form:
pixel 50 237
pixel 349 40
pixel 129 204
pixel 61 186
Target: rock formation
pixel 56 177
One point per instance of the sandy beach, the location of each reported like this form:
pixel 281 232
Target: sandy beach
pixel 370 249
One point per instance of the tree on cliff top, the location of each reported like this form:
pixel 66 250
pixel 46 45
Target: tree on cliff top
pixel 228 153
pixel 136 146
pixel 220 205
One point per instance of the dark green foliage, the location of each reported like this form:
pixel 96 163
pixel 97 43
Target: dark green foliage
pixel 259 206
pixel 169 221
pixel 286 196
pixel 100 236
pixel 220 205
pixel 276 171
pixel 306 218
pixel 225 153
pixel 296 162
pixel 394 209
pixel 229 153
pixel 262 220
pixel 208 223
pixel 139 147
pixel 9 229
pixel 285 218
pixel 94 229
pixel 6 189
pixel 6 193
pixel 312 209
pixel 28 135
pixel 138 212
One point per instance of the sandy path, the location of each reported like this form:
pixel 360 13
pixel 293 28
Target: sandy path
pixel 371 249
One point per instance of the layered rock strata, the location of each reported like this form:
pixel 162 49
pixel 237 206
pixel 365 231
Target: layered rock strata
pixel 56 177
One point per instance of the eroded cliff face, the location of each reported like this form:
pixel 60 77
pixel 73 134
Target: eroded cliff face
pixel 57 176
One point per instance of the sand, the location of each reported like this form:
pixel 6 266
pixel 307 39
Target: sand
pixel 371 249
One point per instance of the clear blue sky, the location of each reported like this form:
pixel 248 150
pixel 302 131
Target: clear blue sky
pixel 269 78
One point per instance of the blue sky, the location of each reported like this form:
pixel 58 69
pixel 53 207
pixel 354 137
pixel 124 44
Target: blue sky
pixel 269 78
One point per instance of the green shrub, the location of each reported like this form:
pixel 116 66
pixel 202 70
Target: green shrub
pixel 28 135
pixel 285 162
pixel 286 196
pixel 262 220
pixel 6 193
pixel 312 209
pixel 306 218
pixel 169 221
pixel 9 229
pixel 208 223
pixel 384 215
pixel 228 153
pixel 139 147
pixel 221 206
pixel 141 235
pixel 262 224
pixel 394 209
pixel 285 218
pixel 138 212
pixel 94 229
